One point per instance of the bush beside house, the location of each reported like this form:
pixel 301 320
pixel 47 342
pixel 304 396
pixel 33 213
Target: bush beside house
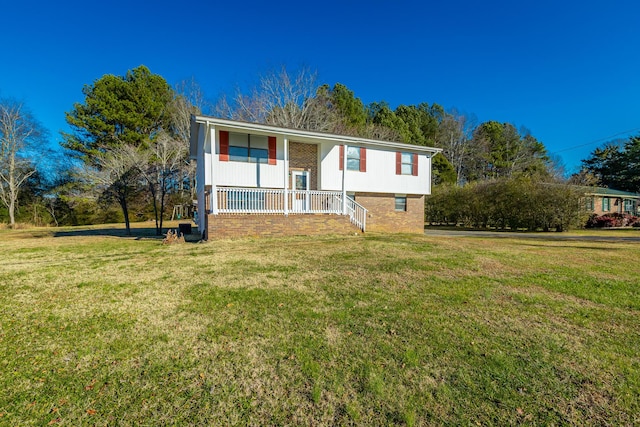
pixel 612 220
pixel 515 203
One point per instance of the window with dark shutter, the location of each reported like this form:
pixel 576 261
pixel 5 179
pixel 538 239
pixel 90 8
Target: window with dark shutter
pixel 356 158
pixel 242 147
pixel 406 164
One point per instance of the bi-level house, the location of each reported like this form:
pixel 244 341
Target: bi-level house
pixel 255 180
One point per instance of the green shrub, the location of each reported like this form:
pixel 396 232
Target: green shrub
pixel 515 203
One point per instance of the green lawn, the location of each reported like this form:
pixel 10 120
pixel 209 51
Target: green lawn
pixel 374 330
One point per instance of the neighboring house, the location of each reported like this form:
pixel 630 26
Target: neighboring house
pixel 602 201
pixel 255 179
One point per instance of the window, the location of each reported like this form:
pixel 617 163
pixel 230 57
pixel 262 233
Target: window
pixel 590 205
pixel 629 206
pixel 401 203
pixel 353 158
pixel 242 147
pixel 406 164
pixel 300 181
pixel 606 204
pixel 248 148
pixel 356 158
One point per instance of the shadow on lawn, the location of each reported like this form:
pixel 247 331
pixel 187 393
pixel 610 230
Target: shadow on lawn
pixel 137 233
pixel 532 235
pixel 594 248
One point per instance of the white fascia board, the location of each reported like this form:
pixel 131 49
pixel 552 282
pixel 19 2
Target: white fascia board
pixel 311 136
pixel 193 138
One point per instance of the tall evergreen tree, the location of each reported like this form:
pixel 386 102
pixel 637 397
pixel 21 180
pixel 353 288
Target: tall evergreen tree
pixel 616 166
pixel 351 115
pixel 118 111
pixel 498 150
pixel 422 122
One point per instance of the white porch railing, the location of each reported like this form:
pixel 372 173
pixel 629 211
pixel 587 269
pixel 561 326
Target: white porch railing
pixel 271 201
pixel 250 200
pixel 357 214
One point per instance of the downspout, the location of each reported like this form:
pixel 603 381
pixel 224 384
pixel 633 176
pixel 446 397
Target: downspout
pixel 429 170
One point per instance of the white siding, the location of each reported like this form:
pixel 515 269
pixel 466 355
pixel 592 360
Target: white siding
pixel 380 176
pixel 241 174
pixel 244 174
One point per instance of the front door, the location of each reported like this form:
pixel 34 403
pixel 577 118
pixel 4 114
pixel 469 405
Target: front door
pixel 300 183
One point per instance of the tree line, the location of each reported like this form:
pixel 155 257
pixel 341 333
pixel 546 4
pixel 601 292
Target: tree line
pixel 128 147
pixel 471 151
pixel 129 140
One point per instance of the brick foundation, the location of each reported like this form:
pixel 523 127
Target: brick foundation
pixel 383 217
pixel 226 226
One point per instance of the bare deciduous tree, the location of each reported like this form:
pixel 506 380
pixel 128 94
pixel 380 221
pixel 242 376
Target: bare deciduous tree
pixel 192 92
pixel 281 99
pixel 454 136
pixel 50 206
pixel 376 131
pixel 189 99
pixel 19 133
pixel 160 166
pixel 181 111
pixel 115 174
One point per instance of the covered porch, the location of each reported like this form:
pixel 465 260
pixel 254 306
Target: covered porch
pixel 294 192
pixel 270 201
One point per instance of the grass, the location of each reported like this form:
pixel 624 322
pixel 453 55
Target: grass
pixel 374 330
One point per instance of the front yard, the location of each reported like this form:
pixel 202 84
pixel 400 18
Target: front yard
pixel 373 329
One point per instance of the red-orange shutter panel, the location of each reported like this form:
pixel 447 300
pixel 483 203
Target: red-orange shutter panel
pixel 414 165
pixel 363 159
pixel 272 150
pixel 398 163
pixel 341 157
pixel 224 146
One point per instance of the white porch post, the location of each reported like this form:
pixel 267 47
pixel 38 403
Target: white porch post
pixel 214 163
pixel 286 176
pixel 344 173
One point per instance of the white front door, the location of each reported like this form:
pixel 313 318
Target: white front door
pixel 300 183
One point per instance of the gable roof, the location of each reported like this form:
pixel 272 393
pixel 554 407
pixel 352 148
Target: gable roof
pixel 300 135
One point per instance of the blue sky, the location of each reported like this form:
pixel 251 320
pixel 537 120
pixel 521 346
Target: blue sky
pixel 566 70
